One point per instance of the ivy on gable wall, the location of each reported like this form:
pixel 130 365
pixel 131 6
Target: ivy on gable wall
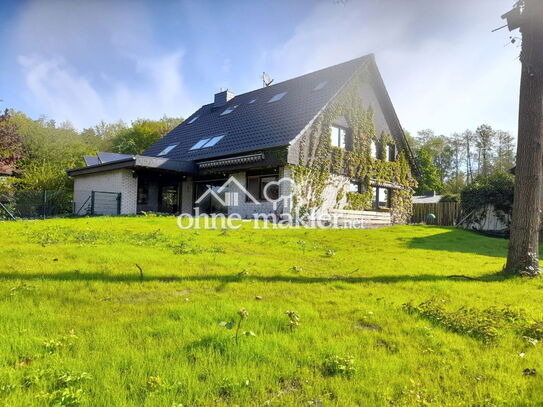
pixel 319 160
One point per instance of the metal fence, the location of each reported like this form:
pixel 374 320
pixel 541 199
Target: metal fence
pixel 49 204
pixel 97 203
pixel 35 204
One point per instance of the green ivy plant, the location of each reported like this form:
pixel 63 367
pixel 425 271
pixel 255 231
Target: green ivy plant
pixel 319 160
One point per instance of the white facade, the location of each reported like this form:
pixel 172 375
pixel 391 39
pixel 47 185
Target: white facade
pixel 117 181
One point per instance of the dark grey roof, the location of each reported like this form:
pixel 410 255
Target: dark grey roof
pixel 258 125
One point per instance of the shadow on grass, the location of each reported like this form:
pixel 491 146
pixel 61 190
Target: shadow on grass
pixel 463 241
pixel 226 279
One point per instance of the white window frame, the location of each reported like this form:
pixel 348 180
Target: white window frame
pixel 340 136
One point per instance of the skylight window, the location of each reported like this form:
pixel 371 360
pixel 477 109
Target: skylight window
pixel 277 97
pixel 229 110
pixel 320 85
pixel 252 101
pixel 193 119
pixel 207 142
pixel 167 149
pixel 199 144
pixel 213 141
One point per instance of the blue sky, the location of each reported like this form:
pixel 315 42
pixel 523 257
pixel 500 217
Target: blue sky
pixel 86 61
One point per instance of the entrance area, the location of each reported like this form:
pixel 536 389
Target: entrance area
pixel 158 193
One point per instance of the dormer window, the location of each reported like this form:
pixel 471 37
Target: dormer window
pixel 338 135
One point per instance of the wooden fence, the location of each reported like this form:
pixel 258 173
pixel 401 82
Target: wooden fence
pixel 447 213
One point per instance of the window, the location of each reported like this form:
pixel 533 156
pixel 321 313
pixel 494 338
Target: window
pixel 355 187
pixel 213 141
pixel 199 144
pixel 386 152
pixel 229 110
pixel 256 185
pixel 207 142
pixel 252 101
pixel 392 152
pixel 373 150
pixel 320 86
pixel 381 197
pixel 193 119
pixel 277 97
pixel 167 149
pixel 338 136
pixel 143 192
pixel 272 192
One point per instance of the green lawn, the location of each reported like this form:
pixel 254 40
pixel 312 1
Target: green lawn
pixel 80 326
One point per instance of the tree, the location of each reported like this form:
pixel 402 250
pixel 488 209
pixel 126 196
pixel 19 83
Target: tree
pixel 430 178
pixel 484 141
pixel 505 154
pixel 11 146
pixel 142 135
pixel 523 254
pixel 469 141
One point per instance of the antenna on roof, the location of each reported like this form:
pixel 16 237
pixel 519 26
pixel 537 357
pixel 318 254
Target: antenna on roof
pixel 266 80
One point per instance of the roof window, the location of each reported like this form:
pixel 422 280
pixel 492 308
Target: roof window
pixel 199 144
pixel 229 110
pixel 277 97
pixel 320 85
pixel 207 142
pixel 167 149
pixel 193 119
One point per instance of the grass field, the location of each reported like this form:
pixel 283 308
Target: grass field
pixel 81 325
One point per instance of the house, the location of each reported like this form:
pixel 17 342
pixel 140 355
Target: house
pixel 332 133
pixel 429 198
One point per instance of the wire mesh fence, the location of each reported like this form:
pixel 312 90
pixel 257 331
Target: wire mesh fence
pixel 49 204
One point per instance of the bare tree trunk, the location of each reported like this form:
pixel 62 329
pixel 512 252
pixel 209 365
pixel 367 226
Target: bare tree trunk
pixel 523 256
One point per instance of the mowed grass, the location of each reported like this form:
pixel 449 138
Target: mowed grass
pixel 80 325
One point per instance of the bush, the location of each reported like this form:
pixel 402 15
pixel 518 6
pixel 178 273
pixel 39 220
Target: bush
pixel 495 189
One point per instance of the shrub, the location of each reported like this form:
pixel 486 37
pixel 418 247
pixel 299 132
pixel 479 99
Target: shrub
pixel 495 189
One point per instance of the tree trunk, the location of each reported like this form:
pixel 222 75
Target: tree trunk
pixel 523 256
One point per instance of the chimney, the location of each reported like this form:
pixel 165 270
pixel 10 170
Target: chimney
pixel 222 98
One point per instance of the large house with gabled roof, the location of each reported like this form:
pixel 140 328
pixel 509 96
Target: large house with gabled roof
pixel 338 123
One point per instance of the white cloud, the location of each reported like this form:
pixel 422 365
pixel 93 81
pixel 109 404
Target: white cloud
pixel 91 61
pixel 442 66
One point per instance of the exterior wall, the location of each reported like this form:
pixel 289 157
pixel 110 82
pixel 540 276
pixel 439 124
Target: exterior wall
pixel 247 210
pixel 119 181
pixel 369 100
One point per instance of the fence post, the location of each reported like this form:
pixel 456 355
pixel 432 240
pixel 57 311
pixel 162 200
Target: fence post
pixel 119 203
pixel 92 202
pixel 44 203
